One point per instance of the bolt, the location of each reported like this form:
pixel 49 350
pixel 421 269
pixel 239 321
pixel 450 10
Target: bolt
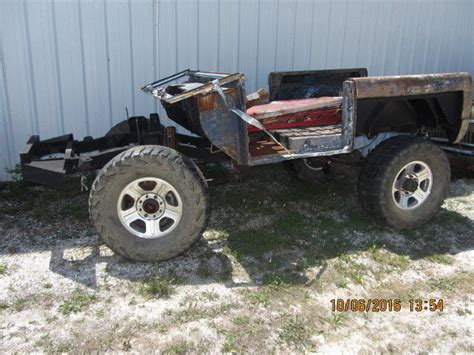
pixel 146 215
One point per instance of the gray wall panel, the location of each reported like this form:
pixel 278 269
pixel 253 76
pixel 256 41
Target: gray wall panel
pixel 74 65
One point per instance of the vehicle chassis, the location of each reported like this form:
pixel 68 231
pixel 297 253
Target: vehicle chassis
pixel 219 123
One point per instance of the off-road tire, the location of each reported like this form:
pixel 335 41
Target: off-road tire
pixel 149 161
pixel 378 174
pixel 298 169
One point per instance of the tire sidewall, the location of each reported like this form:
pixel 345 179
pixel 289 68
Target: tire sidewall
pixel 192 197
pixel 440 183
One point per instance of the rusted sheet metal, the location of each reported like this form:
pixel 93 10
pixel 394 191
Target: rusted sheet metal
pixel 349 112
pixel 411 85
pixel 221 126
pixel 157 91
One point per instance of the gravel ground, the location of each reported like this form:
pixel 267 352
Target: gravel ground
pixel 262 278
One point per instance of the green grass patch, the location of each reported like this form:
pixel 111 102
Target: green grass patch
pixel 157 287
pixel 443 283
pixel 79 300
pixel 296 334
pixel 3 268
pixel 179 347
pixel 337 320
pixel 262 296
pixel 441 259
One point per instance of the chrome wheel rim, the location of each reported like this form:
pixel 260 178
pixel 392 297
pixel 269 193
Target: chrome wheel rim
pixel 412 185
pixel 149 207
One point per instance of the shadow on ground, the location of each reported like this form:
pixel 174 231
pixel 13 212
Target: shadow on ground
pixel 274 226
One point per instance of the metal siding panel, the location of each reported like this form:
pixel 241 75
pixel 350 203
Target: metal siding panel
pixel 248 42
pixel 285 35
pixel 95 67
pixel 208 35
pixel 19 94
pixel 142 43
pixel 73 66
pixel 187 30
pixel 228 36
pixel 6 156
pixel 70 64
pixel 267 41
pixel 301 35
pixel 353 27
pixel 336 30
pixel 320 34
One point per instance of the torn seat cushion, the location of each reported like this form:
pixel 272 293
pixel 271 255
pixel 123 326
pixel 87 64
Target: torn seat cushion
pixel 297 113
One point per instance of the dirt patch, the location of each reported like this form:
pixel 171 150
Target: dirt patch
pixel 262 278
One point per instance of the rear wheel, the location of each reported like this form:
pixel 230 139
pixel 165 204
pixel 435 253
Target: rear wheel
pixel 149 203
pixel 404 181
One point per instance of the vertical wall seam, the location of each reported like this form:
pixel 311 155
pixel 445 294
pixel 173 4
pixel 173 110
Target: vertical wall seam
pixel 412 64
pixel 384 64
pixel 258 43
pixel 8 117
pixel 218 34
pixel 375 36
pixel 176 34
pixel 310 57
pixel 155 38
pixel 83 59
pixel 440 40
pixel 276 34
pixel 132 66
pixel 344 34
pixel 34 121
pixel 401 38
pixel 58 68
pixel 294 36
pixel 107 61
pixel 238 38
pixel 360 33
pixel 327 37
pixel 198 31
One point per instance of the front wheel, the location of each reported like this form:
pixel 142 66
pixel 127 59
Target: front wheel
pixel 404 181
pixel 149 203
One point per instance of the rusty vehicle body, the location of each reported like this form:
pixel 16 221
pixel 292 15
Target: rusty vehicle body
pixel 357 114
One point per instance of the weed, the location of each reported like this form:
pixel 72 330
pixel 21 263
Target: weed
pixel 179 347
pixel 157 288
pixel 3 269
pixel 20 304
pixel 296 334
pixel 445 284
pixel 441 259
pixel 390 259
pixel 337 320
pixel 260 297
pixel 77 302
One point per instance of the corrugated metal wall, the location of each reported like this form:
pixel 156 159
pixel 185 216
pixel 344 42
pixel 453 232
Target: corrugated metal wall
pixel 72 66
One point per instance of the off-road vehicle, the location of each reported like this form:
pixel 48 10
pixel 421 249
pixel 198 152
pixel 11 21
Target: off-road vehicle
pixel 150 201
